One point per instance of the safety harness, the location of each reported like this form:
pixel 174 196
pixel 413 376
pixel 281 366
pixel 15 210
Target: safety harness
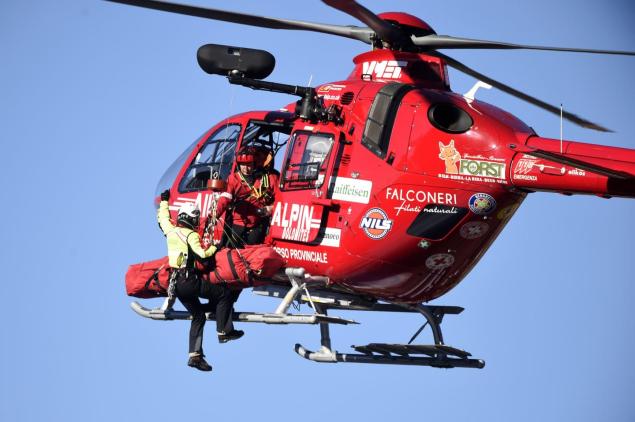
pixel 257 193
pixel 189 263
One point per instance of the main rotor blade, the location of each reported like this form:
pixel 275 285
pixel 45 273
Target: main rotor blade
pixel 354 32
pixel 518 94
pixel 433 42
pixel 384 30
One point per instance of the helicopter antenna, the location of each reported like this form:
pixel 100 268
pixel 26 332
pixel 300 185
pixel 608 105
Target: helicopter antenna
pixel 561 112
pixel 310 80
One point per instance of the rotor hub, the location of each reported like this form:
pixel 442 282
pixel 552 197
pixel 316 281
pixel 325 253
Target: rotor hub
pixel 411 24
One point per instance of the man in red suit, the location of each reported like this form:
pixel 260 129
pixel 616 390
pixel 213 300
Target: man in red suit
pixel 249 199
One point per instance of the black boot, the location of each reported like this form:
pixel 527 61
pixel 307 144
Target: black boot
pixel 199 363
pixel 232 335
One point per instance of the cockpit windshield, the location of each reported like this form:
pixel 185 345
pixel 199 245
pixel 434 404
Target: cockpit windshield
pixel 228 134
pixel 214 160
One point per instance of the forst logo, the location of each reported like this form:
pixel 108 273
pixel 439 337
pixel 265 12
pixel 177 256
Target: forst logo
pixel 482 168
pixel 376 223
pixel 455 163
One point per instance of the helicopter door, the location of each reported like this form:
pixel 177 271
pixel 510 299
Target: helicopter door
pixel 298 214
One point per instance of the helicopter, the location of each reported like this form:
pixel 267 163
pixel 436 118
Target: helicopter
pixel 392 186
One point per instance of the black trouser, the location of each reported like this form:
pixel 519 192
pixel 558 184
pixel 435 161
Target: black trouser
pixel 189 287
pixel 241 235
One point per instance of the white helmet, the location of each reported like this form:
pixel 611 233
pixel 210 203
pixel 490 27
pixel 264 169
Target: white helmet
pixel 189 209
pixel 189 215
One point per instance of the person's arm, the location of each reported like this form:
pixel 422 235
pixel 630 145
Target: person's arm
pixel 163 216
pixel 274 186
pixel 194 242
pixel 223 202
pixel 274 182
pixel 226 197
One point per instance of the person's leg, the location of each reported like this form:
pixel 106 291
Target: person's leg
pixel 237 234
pixel 187 292
pixel 256 235
pixel 233 297
pixel 226 331
pixel 224 310
pixel 221 298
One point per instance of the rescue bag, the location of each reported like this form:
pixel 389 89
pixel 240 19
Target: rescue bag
pixel 240 268
pixel 148 279
pixel 263 260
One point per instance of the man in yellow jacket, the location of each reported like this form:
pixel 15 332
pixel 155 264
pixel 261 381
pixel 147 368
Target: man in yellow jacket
pixel 184 246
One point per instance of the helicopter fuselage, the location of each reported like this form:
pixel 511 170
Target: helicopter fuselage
pixel 400 197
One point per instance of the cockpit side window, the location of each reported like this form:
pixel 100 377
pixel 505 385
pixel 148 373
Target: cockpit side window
pixel 214 160
pixel 381 117
pixel 268 137
pixel 307 160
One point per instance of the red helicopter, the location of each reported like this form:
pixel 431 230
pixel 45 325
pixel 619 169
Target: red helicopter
pixel 392 186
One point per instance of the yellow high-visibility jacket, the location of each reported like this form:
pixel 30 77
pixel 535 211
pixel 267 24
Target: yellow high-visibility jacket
pixel 181 240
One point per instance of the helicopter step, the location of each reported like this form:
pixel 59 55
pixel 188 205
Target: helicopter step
pixel 266 318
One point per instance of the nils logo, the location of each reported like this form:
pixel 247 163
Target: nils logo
pixel 376 223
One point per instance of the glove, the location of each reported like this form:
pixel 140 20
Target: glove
pixel 165 195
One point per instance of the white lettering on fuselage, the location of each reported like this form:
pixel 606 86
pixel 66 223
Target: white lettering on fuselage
pixel 420 196
pixel 412 199
pixel 296 221
pixel 202 201
pixel 303 255
pixel 386 69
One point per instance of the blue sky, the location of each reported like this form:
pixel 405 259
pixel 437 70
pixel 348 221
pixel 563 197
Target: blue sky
pixel 97 99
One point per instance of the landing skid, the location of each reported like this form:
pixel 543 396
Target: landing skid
pixel 267 318
pixel 437 355
pixel 395 354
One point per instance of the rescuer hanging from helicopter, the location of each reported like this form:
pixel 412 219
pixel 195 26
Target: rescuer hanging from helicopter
pixel 184 245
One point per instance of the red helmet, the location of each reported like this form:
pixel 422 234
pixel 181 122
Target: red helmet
pixel 245 156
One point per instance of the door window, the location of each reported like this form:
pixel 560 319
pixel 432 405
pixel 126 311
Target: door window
pixel 307 160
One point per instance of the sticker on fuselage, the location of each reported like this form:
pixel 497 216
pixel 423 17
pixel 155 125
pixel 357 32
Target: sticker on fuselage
pixel 376 223
pixel 473 230
pixel 331 237
pixel 439 261
pixel 352 190
pixel 470 168
pixel 482 203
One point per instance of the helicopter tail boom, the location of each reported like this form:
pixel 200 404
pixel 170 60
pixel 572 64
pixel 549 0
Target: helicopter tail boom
pixel 573 167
